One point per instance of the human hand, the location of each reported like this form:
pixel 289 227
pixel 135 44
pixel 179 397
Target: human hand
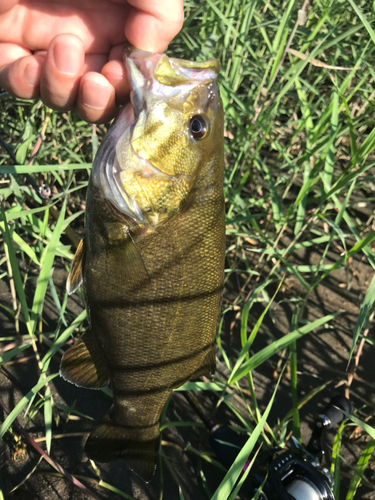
pixel 69 52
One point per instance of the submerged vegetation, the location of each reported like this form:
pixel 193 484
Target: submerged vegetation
pixel 297 82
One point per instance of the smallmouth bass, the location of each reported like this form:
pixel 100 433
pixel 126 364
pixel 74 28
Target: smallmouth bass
pixel 152 258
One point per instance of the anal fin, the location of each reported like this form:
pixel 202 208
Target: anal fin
pixel 83 364
pixel 76 272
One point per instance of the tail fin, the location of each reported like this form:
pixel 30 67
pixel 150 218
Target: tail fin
pixel 138 446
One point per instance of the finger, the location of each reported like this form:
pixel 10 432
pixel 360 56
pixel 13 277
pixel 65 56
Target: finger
pixel 152 25
pixel 93 62
pixel 96 101
pixel 10 52
pixel 34 24
pixel 7 5
pixel 63 68
pixel 19 71
pixel 22 77
pixel 115 73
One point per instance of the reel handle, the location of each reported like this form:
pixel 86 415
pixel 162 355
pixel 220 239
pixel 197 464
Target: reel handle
pixel 328 418
pixel 334 410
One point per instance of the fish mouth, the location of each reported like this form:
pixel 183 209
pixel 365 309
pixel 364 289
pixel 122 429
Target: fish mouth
pixel 150 73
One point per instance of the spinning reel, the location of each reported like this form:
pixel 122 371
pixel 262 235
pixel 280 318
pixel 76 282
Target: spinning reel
pixel 295 474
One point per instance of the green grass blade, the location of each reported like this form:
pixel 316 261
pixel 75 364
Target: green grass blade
pixel 13 215
pixel 63 338
pixel 361 245
pixel 118 492
pixel 335 465
pixel 247 342
pixel 228 483
pixel 13 352
pixel 293 385
pixel 243 477
pixel 364 20
pixel 180 494
pixel 56 299
pixel 360 469
pixel 25 248
pixel 47 262
pixel 48 418
pixel 200 386
pixel 366 427
pixel 309 125
pixel 262 356
pixel 279 41
pixel 364 313
pixel 35 169
pixel 15 269
pixel 22 149
pixel 330 159
pixel 21 405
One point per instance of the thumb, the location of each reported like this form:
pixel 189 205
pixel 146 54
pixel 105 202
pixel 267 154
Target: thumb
pixel 152 25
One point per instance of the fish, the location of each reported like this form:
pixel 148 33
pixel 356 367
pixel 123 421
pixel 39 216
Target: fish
pixel 152 257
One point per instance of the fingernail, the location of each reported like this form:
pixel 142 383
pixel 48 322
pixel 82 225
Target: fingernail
pixel 32 74
pixel 68 59
pixel 95 95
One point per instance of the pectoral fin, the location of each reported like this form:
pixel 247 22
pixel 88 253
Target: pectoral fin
pixel 76 272
pixel 83 364
pixel 132 271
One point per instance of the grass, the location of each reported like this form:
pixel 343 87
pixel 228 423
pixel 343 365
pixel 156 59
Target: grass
pixel 299 179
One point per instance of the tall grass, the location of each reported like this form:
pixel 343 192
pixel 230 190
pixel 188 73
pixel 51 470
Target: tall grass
pixel 297 81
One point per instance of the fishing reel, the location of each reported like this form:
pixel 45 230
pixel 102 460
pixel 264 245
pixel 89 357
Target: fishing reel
pixel 295 474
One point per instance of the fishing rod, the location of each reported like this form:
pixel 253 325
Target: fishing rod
pixel 293 474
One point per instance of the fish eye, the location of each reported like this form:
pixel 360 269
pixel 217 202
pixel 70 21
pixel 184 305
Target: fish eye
pixel 198 127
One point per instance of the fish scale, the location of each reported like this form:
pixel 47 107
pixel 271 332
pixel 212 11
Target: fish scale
pixel 152 261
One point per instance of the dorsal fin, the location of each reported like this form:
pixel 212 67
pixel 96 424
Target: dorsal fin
pixel 76 272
